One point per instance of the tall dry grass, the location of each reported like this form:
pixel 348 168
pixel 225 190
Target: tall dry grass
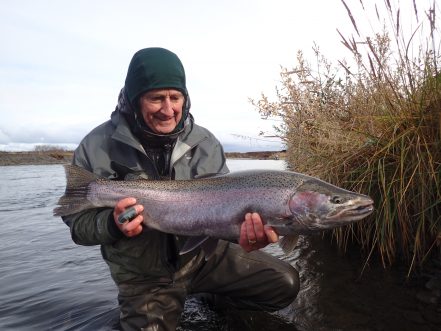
pixel 373 124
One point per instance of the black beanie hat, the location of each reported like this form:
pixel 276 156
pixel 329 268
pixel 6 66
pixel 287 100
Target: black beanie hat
pixel 154 68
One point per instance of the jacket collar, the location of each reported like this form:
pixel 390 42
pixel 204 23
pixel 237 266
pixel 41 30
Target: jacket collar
pixel 123 133
pixel 188 139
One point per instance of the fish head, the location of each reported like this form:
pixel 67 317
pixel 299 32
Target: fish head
pixel 317 205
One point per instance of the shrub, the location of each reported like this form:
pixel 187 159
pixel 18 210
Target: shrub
pixel 49 148
pixel 373 125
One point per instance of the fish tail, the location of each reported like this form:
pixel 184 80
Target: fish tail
pixel 75 199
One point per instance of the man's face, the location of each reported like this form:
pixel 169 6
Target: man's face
pixel 162 109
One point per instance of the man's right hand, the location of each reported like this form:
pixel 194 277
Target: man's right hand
pixel 129 228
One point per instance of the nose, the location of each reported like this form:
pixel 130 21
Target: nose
pixel 167 107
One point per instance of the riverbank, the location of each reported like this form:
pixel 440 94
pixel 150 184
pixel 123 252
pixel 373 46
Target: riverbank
pixel 63 157
pixel 35 158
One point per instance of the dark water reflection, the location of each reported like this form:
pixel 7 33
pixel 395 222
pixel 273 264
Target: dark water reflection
pixel 49 283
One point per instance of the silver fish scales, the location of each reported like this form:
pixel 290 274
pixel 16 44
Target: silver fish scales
pixel 214 207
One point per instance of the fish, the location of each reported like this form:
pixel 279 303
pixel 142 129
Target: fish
pixel 210 208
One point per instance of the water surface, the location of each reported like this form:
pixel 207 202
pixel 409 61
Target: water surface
pixel 49 283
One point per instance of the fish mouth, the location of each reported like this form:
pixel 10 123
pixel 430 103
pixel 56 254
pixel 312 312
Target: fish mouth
pixel 354 213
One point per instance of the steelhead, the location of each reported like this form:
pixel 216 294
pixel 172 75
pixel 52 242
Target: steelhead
pixel 214 207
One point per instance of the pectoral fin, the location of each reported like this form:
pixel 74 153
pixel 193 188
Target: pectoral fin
pixel 288 243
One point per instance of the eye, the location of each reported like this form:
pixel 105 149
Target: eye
pixel 154 99
pixel 176 98
pixel 337 199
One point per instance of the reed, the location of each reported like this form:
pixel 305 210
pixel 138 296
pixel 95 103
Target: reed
pixel 373 124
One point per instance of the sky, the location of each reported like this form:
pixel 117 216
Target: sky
pixel 63 63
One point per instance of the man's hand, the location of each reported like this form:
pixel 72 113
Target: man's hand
pixel 254 234
pixel 129 228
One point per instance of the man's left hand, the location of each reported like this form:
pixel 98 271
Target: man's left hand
pixel 254 234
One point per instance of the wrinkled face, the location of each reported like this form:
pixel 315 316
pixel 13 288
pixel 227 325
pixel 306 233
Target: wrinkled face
pixel 162 109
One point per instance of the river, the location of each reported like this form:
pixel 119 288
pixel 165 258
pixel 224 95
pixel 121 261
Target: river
pixel 49 283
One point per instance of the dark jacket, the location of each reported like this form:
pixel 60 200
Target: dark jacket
pixel 112 151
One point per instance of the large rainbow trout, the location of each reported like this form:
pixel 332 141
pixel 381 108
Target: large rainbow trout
pixel 215 207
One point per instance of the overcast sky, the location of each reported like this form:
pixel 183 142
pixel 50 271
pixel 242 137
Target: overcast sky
pixel 63 63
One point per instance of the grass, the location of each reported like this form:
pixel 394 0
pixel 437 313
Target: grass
pixel 373 125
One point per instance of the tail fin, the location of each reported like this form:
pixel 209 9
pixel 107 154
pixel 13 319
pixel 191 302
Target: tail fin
pixel 75 199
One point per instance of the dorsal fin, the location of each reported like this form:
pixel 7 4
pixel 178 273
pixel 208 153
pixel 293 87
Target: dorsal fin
pixel 210 175
pixel 77 177
pixel 131 176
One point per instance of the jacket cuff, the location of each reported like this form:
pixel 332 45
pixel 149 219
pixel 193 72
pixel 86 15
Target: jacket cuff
pixel 112 228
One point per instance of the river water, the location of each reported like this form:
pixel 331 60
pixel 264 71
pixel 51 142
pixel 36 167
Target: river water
pixel 49 283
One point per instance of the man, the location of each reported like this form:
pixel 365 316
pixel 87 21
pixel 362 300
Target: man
pixel 151 134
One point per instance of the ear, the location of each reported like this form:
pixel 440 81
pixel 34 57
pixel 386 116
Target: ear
pixel 187 102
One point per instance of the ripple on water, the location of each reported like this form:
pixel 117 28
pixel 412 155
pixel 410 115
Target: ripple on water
pixel 48 282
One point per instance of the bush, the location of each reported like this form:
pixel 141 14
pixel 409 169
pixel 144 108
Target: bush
pixel 373 126
pixel 49 148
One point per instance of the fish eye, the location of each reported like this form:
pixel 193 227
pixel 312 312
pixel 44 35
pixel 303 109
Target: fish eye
pixel 337 199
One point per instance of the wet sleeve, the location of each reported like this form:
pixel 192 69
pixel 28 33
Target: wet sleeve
pixel 93 227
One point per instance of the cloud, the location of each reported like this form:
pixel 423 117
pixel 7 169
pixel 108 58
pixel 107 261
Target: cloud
pixel 4 137
pixel 42 134
pixel 63 63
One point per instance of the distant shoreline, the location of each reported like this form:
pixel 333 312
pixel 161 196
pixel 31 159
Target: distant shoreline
pixel 63 157
pixel 35 158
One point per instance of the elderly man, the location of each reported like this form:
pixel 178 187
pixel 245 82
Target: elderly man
pixel 152 134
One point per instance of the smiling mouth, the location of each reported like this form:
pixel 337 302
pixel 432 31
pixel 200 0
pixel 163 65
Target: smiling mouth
pixel 166 119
